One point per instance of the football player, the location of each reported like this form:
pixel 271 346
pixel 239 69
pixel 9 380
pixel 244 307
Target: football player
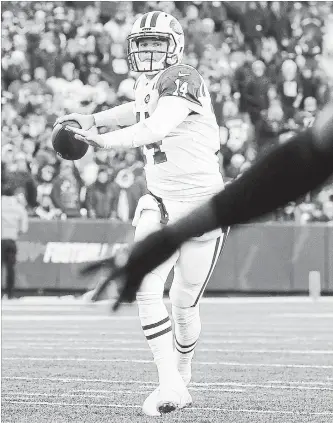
pixel 172 119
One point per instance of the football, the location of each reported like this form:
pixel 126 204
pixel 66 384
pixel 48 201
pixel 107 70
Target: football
pixel 65 144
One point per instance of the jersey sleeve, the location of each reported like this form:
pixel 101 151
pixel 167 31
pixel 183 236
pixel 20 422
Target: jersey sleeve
pixel 186 83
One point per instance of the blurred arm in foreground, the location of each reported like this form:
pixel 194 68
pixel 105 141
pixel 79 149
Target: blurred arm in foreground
pixel 284 174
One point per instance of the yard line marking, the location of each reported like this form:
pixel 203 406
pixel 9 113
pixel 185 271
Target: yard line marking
pixel 52 348
pixel 44 394
pixel 133 325
pixel 107 317
pixel 209 363
pixel 69 404
pixel 70 300
pixel 309 382
pixel 324 386
pixel 267 386
pixel 193 388
pixel 146 382
pixel 66 318
pixel 40 332
pixel 71 379
pixel 257 337
pixel 109 345
pixel 68 308
pixel 134 329
pixel 208 350
pixel 57 321
pixel 302 315
pixel 57 341
pixel 224 410
pixel 285 325
pixel 201 387
pixel 77 393
pixel 149 390
pixel 267 351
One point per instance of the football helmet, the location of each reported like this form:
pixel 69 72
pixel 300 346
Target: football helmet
pixel 158 26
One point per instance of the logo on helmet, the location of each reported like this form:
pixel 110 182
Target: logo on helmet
pixel 175 26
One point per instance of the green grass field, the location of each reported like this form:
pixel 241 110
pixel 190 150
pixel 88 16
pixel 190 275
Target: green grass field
pixel 258 360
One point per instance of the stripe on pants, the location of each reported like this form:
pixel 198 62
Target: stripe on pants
pixel 220 243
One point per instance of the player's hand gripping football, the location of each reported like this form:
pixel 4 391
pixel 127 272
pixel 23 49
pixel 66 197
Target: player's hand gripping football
pixel 94 140
pixel 86 121
pixel 130 269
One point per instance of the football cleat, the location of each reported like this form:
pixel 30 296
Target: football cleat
pixel 166 399
pixel 150 404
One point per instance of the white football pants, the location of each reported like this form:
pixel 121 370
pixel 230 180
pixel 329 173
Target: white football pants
pixel 193 263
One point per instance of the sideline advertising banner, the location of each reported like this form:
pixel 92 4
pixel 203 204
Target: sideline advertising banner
pixel 260 257
pixel 51 253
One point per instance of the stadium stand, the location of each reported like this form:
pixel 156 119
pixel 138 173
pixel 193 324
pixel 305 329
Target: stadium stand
pixel 263 63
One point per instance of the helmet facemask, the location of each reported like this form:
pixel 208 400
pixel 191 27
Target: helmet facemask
pixel 147 60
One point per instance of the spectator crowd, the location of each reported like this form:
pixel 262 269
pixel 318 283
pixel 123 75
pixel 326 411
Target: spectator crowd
pixel 268 66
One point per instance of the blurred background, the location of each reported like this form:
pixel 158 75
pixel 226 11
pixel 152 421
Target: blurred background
pixel 266 65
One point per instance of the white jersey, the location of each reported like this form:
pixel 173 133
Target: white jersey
pixel 184 165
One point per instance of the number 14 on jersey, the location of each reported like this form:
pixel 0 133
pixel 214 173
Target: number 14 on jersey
pixel 159 156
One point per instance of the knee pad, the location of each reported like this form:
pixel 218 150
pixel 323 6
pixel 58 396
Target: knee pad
pixel 181 296
pixel 182 315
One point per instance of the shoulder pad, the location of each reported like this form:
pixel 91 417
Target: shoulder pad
pixel 182 81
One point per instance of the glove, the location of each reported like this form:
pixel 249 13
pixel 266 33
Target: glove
pixel 131 268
